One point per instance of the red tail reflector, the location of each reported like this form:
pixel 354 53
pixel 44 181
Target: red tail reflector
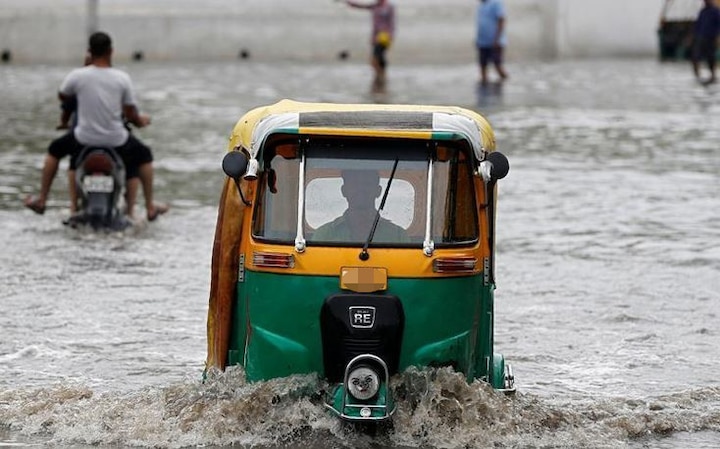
pixel 273 260
pixel 455 265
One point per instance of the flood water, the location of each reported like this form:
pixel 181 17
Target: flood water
pixel 608 267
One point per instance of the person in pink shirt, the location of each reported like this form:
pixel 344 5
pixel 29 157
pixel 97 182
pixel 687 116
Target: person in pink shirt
pixel 383 31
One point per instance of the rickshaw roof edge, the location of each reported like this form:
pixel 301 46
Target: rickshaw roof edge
pixel 383 120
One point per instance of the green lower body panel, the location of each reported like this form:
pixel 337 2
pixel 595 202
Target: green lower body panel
pixel 277 324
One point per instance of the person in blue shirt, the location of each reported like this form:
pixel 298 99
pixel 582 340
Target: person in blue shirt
pixel 491 38
pixel 706 32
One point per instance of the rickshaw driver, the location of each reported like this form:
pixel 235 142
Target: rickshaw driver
pixel 360 188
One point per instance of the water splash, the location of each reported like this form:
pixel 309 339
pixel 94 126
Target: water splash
pixel 436 408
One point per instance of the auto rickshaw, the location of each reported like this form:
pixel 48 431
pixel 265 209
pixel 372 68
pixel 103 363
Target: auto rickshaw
pixel 311 276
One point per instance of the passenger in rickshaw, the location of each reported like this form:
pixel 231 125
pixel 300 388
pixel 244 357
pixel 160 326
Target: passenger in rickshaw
pixel 360 188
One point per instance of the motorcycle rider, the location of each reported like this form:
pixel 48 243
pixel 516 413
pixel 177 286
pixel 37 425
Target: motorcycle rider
pixel 104 95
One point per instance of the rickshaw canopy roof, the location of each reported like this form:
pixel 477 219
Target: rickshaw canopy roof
pixel 363 120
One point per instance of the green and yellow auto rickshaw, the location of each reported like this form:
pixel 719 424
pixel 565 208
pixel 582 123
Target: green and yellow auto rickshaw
pixel 355 241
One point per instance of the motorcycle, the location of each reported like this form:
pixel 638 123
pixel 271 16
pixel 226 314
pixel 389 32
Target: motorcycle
pixel 100 183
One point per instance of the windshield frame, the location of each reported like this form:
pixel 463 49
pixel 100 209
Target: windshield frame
pixel 350 145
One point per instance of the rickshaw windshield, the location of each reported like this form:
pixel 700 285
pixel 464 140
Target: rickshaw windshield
pixel 344 185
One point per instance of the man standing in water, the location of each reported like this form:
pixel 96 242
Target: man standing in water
pixel 707 30
pixel 104 96
pixel 383 30
pixel 491 38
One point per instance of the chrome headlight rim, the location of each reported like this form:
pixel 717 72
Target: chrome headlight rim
pixel 363 382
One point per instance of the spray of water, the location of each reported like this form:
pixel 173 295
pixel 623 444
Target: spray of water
pixel 436 408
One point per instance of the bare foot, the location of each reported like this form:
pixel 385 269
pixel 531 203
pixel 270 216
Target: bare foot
pixel 35 204
pixel 157 210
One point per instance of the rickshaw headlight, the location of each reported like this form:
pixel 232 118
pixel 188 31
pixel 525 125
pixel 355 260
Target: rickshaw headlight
pixel 363 383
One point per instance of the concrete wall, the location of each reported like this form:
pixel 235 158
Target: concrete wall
pixel 608 27
pixel 50 31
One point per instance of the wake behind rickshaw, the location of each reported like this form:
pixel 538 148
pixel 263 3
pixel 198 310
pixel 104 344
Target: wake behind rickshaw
pixel 356 241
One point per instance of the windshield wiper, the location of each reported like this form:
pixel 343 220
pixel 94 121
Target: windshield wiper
pixel 364 253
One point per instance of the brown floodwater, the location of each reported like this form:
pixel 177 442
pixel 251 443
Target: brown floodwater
pixel 608 267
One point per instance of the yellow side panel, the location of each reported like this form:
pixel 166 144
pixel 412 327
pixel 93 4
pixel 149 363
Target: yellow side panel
pixel 228 235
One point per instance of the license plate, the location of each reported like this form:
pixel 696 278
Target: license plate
pixel 102 184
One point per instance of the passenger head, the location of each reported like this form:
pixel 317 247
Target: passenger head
pixel 99 44
pixel 361 188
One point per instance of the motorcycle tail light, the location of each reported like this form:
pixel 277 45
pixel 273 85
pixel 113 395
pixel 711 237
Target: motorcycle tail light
pixel 455 265
pixel 98 163
pixel 273 260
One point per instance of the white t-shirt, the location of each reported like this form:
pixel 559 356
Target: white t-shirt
pixel 101 93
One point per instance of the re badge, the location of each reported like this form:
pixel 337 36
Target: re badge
pixel 362 317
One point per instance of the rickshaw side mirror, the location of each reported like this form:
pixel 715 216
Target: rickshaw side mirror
pixel 494 167
pixel 235 164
